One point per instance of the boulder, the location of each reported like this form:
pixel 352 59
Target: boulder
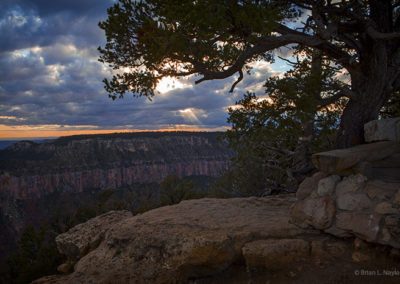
pixel 85 237
pixel 275 254
pixel 350 184
pixel 206 240
pixel 393 225
pixel 326 186
pixel 396 199
pixel 385 235
pixel 386 208
pixel 365 226
pixel 353 201
pixel 309 185
pixel 381 190
pixel 338 161
pixel 381 130
pixel 363 183
pixel 316 212
pixel 171 244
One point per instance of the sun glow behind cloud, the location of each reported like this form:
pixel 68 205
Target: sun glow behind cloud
pixel 190 115
pixel 168 84
pixel 51 81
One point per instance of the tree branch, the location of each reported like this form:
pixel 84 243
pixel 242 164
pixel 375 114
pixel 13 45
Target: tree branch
pixel 332 99
pixel 288 61
pixel 279 150
pixel 373 33
pixel 328 48
pixel 237 81
pixel 267 43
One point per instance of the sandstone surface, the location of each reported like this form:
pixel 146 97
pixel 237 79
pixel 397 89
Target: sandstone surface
pixel 173 243
pixel 275 254
pixel 83 238
pixel 204 241
pixel 327 185
pixel 316 212
pixel 338 161
pixel 363 182
pixel 37 179
pixel 309 185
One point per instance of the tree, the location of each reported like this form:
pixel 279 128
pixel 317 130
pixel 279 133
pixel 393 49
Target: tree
pixel 392 107
pixel 35 257
pixel 275 135
pixel 173 190
pixel 152 39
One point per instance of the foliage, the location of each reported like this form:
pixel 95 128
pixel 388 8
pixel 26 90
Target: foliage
pixel 153 39
pixel 167 38
pixel 299 109
pixel 392 107
pixel 37 253
pixel 36 256
pixel 64 140
pixel 173 190
pixel 144 199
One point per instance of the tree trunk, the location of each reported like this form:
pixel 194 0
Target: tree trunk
pixel 302 164
pixel 372 78
pixel 358 111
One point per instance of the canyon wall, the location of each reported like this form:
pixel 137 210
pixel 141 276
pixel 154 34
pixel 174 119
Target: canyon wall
pixel 73 164
pixel 35 186
pixel 37 179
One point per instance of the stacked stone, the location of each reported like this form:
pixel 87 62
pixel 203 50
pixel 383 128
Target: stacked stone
pixel 357 190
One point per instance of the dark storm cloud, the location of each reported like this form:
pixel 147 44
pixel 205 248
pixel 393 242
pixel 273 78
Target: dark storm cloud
pixel 49 7
pixel 44 22
pixel 50 75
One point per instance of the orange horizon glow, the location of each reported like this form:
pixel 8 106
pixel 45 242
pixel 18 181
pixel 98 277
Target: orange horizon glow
pixel 18 134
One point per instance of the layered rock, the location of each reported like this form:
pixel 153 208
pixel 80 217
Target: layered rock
pixel 375 160
pixel 361 186
pixel 36 186
pixel 194 238
pixel 205 238
pixel 38 179
pixel 73 164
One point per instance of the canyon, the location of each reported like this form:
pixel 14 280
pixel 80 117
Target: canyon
pixel 73 164
pixel 341 226
pixel 36 178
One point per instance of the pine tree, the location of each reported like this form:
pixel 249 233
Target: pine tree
pixel 275 135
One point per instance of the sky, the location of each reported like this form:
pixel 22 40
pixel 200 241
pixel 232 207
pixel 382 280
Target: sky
pixel 51 80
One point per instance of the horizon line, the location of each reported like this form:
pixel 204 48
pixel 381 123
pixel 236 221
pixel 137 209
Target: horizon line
pixel 35 135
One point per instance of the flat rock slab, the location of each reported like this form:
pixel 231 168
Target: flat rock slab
pixel 173 243
pixel 337 161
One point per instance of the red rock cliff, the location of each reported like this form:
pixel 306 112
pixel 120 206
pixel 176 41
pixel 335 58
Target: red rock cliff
pixel 73 164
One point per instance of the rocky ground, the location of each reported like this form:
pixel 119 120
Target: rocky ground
pixel 240 240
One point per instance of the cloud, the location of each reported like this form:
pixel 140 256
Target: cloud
pixel 25 23
pixel 50 76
